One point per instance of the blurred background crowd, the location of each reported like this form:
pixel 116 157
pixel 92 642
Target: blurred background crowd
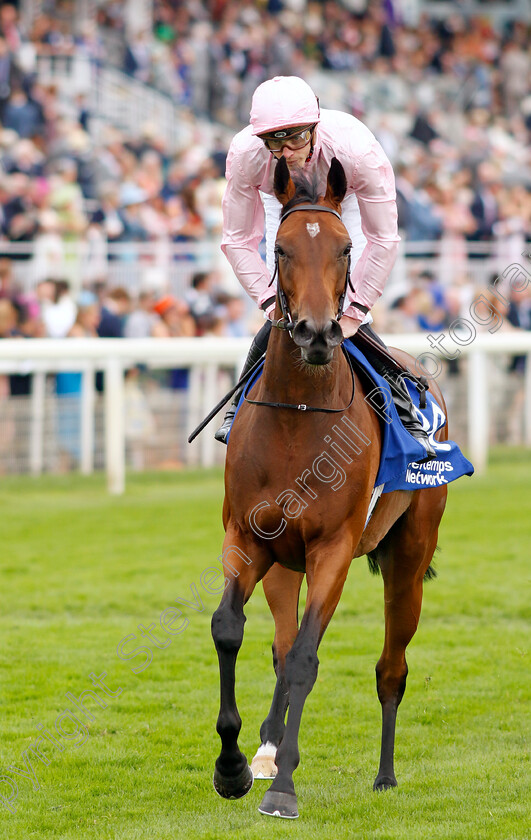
pixel 448 98
pixel 85 202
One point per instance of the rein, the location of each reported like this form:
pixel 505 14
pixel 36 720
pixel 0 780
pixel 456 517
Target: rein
pixel 303 406
pixel 286 322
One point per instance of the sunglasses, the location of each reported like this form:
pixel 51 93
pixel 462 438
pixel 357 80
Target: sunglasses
pixel 292 138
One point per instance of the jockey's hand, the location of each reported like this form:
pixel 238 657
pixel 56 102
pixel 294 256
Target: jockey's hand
pixel 349 326
pixel 270 311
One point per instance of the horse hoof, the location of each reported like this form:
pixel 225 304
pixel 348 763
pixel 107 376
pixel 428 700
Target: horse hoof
pixel 263 764
pixel 233 787
pixel 276 804
pixel 264 768
pixel 384 783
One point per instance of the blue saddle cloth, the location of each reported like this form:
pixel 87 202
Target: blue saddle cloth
pixel 399 469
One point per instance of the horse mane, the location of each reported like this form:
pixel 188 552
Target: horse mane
pixel 306 191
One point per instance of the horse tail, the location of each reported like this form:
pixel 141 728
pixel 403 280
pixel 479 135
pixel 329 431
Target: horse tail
pixel 374 566
pixel 430 573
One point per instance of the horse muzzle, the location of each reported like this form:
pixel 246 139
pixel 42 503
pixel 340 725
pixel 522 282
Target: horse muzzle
pixel 317 342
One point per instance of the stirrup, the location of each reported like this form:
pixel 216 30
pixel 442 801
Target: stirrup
pixel 223 431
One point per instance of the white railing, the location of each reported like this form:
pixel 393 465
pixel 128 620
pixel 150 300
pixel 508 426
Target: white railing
pixel 166 265
pixel 204 358
pixel 162 266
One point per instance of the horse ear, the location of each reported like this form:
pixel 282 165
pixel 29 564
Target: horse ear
pixel 282 184
pixel 336 186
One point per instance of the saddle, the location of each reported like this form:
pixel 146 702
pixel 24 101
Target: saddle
pixel 384 362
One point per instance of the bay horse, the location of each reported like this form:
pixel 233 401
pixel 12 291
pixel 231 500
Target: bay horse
pixel 293 506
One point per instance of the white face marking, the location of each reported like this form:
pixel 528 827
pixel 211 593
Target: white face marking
pixel 313 229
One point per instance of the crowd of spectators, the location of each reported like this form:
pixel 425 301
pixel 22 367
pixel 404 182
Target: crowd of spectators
pixel 52 311
pixel 448 99
pixel 213 54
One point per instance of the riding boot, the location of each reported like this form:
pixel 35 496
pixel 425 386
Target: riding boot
pixel 401 397
pixel 257 349
pixel 407 414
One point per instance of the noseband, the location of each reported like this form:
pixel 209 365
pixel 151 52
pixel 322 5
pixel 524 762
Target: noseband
pixel 286 322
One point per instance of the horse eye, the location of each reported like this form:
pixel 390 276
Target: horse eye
pixel 346 252
pixel 280 251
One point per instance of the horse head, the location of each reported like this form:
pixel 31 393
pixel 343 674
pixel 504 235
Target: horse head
pixel 313 256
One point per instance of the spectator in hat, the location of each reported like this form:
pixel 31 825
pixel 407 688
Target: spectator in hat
pixel 175 322
pixel 175 319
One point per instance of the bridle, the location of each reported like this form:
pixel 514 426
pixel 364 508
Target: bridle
pixel 286 322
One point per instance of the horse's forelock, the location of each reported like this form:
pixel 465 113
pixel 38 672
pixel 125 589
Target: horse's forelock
pixel 306 190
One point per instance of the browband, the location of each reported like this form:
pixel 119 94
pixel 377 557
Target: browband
pixel 319 207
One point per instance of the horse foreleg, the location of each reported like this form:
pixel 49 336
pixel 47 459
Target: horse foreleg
pixel 407 556
pixel 281 588
pixel 232 776
pixel 325 584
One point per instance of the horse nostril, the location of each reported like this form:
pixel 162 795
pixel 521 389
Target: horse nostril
pixel 303 333
pixel 306 333
pixel 333 333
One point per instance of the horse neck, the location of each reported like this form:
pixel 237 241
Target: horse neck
pixel 286 379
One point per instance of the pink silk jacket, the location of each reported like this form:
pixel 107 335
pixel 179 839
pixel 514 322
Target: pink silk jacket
pixel 368 210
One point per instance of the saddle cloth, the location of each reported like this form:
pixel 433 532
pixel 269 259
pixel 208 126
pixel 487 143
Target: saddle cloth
pixel 399 469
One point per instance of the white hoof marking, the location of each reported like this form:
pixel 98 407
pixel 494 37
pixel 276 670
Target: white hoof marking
pixel 263 764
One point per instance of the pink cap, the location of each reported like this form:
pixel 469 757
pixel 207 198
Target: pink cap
pixel 281 102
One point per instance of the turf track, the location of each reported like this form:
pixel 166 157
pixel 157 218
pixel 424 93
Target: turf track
pixel 81 570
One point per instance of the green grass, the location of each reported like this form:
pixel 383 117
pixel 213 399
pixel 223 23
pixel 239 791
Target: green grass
pixel 80 571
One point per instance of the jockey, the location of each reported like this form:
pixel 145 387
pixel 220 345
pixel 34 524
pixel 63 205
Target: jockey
pixel 286 121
